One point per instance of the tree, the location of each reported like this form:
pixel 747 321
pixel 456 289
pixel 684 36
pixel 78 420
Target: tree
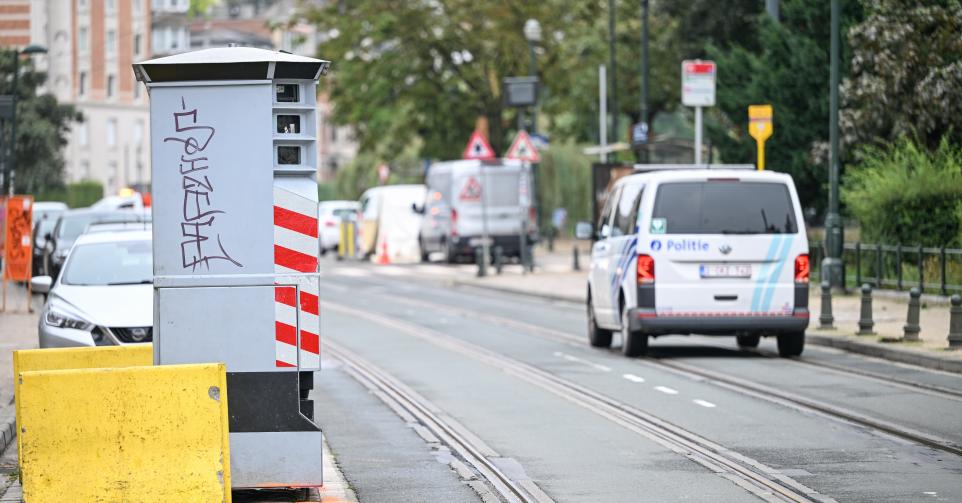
pixel 42 128
pixel 786 64
pixel 403 70
pixel 906 73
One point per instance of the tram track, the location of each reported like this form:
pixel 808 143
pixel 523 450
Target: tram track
pixel 764 482
pixel 461 443
pixel 733 383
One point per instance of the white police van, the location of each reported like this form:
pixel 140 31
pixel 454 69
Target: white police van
pixel 715 251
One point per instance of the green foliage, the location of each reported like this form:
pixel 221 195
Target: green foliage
pixel 362 172
pixel 564 181
pixel 42 128
pixel 906 194
pixel 200 8
pixel 326 191
pixel 906 73
pixel 789 70
pixel 76 195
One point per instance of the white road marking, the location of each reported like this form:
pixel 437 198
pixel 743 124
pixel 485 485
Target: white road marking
pixel 633 378
pixel 930 493
pixel 350 271
pixel 391 270
pixel 704 403
pixel 585 362
pixel 666 390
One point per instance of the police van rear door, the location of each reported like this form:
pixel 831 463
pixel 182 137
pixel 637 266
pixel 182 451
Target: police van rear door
pixel 725 246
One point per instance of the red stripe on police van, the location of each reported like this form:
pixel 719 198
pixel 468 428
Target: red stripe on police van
pixel 297 222
pixel 300 262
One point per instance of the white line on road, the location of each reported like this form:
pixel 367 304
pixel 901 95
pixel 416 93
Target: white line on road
pixel 585 362
pixel 350 272
pixel 666 390
pixel 704 403
pixel 633 378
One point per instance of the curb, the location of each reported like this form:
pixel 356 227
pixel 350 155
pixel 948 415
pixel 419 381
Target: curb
pixel 886 352
pixel 891 353
pixel 8 433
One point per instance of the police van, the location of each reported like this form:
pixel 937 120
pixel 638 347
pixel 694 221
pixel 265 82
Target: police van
pixel 711 250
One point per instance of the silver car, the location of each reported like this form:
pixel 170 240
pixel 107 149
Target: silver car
pixel 104 294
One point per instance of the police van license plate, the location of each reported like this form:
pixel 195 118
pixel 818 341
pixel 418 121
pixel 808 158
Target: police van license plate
pixel 725 271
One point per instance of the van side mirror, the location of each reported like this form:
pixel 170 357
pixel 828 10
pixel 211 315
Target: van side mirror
pixel 417 209
pixel 584 230
pixel 41 284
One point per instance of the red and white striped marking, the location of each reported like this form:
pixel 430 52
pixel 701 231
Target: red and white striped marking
pixel 295 251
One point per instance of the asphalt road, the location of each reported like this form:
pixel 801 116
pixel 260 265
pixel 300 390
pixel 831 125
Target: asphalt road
pixel 444 343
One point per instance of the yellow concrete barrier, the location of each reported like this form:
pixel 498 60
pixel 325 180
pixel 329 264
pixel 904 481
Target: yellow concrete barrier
pixel 136 434
pixel 26 360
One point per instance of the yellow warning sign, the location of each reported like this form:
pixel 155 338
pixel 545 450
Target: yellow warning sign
pixel 760 128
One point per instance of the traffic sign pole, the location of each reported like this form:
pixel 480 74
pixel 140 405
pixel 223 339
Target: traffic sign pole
pixel 698 120
pixel 761 154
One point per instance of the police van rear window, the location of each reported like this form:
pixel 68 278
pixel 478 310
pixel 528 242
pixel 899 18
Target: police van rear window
pixel 723 207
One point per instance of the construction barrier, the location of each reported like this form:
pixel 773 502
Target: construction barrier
pixel 347 242
pixel 29 360
pixel 136 434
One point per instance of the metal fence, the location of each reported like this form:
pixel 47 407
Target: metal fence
pixel 900 267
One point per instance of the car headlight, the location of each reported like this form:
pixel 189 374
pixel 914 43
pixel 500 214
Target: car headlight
pixel 57 319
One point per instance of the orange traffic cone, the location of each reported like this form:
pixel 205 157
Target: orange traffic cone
pixel 383 258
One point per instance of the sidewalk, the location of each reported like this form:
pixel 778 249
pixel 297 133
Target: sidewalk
pixel 554 279
pixel 18 330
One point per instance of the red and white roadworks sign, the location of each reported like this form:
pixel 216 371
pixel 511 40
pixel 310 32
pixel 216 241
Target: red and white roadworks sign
pixel 295 251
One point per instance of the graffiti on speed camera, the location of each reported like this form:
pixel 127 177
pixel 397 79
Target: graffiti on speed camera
pixel 202 243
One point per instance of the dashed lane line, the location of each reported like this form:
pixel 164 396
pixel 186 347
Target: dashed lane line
pixel 575 359
pixel 703 403
pixel 666 390
pixel 633 377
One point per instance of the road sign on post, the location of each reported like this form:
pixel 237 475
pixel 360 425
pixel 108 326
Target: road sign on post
pixel 235 244
pixel 523 149
pixel 760 128
pixel 698 90
pixel 478 148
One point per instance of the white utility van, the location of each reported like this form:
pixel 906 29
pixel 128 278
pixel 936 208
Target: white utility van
pixel 465 196
pixel 714 251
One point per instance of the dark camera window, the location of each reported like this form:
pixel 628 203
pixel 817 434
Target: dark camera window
pixel 287 93
pixel 288 155
pixel 290 124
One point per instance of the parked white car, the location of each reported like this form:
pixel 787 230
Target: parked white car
pixel 104 294
pixel 329 216
pixel 700 251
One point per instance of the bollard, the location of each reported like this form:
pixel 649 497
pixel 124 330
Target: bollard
pixel 826 320
pixel 479 258
pixel 912 328
pixel 575 262
pixel 498 259
pixel 955 323
pixel 865 323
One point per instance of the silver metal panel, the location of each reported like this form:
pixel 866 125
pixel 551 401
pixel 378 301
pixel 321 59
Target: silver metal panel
pixel 212 156
pixel 233 325
pixel 273 459
pixel 304 280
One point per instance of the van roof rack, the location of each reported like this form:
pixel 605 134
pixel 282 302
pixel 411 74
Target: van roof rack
pixel 646 168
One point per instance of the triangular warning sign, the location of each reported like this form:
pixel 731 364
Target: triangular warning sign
pixel 471 192
pixel 478 148
pixel 523 149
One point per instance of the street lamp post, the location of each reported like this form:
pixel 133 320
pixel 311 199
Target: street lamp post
pixel 532 33
pixel 643 115
pixel 832 266
pixel 12 162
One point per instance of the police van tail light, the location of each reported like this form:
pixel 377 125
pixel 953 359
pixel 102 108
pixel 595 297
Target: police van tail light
pixel 802 268
pixel 646 269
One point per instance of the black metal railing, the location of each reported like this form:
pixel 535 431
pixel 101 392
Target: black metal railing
pixel 932 269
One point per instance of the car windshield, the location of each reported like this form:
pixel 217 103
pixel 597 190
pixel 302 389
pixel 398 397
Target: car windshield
pixel 344 212
pixel 72 226
pixel 724 207
pixel 120 263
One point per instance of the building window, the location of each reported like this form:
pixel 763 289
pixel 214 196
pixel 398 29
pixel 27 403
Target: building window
pixel 111 42
pixel 82 134
pixel 82 85
pixel 137 6
pixel 138 133
pixel 111 132
pixel 84 170
pixel 82 36
pixel 111 4
pixel 137 41
pixel 111 85
pixel 112 176
pixel 82 4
